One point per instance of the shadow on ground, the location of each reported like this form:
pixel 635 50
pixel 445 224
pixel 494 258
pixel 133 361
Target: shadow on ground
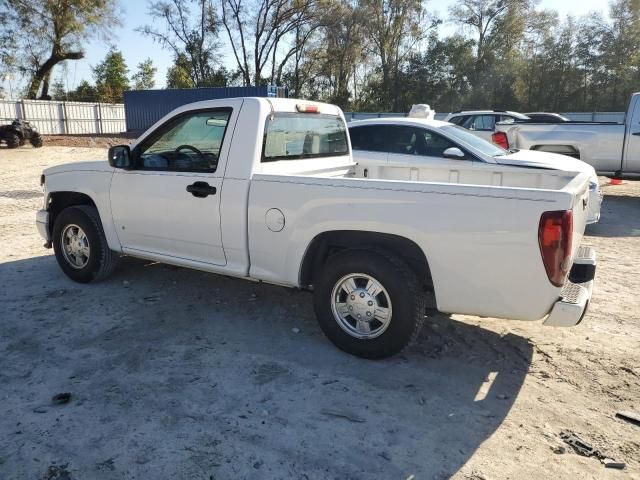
pixel 181 374
pixel 615 207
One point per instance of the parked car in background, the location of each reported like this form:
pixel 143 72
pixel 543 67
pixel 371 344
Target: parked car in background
pixel 267 190
pixel 401 143
pixel 545 117
pixel 611 148
pixel 483 122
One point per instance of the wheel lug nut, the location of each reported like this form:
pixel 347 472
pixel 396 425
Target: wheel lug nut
pixel 370 303
pixel 350 307
pixel 368 314
pixel 359 315
pixel 353 297
pixel 361 294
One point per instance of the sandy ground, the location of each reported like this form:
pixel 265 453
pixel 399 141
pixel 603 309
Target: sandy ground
pixel 90 141
pixel 180 374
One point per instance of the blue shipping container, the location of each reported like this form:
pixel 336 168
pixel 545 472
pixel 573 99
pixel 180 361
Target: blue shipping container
pixel 143 108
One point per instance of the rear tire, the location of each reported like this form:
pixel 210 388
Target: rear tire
pixel 399 294
pixel 36 140
pixel 80 245
pixel 12 140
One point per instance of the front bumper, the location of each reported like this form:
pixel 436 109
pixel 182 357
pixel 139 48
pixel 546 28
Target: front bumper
pixel 574 300
pixel 42 222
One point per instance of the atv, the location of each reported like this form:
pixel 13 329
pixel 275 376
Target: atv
pixel 19 133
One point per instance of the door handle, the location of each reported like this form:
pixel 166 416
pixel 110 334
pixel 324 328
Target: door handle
pixel 201 189
pixel 637 134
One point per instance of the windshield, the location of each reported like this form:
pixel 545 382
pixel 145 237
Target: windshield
pixel 464 135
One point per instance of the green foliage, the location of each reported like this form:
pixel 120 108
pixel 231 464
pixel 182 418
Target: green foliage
pixel 39 34
pixel 179 75
pixel 144 79
pixel 58 92
pixel 507 55
pixel 84 92
pixel 111 77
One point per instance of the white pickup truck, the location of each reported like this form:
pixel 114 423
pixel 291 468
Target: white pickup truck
pixel 267 190
pixel 611 148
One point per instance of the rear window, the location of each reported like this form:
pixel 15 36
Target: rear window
pixel 291 136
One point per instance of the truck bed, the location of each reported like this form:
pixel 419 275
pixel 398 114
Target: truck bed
pixel 478 237
pixel 476 175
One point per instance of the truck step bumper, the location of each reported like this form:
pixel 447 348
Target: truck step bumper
pixel 576 293
pixel 584 266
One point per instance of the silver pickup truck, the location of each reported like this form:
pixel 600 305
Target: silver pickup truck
pixel 611 148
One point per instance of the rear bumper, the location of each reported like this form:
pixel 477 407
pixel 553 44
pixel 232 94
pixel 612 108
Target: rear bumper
pixel 42 222
pixel 574 300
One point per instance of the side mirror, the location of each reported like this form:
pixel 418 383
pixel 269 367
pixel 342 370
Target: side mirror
pixel 120 157
pixel 454 153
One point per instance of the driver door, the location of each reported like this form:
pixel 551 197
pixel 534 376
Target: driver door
pixel 168 205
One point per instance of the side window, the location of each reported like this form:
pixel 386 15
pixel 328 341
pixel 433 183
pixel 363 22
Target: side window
pixel 402 140
pixel 190 143
pixel 505 118
pixel 480 122
pixel 433 145
pixel 370 138
pixel 460 120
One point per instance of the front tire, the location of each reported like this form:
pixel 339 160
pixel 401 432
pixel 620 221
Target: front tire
pixel 369 304
pixel 80 245
pixel 12 140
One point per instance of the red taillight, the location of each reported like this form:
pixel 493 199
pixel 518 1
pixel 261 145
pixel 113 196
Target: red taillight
pixel 306 108
pixel 500 139
pixel 554 236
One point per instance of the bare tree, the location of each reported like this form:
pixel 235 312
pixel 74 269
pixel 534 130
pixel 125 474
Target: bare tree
pixel 497 25
pixel 189 35
pixel 394 28
pixel 256 30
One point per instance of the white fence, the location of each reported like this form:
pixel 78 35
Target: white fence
pixel 65 118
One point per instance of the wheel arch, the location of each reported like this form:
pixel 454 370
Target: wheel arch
pixel 58 201
pixel 568 150
pixel 327 243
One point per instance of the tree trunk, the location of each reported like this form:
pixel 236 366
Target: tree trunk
pixel 44 71
pixel 44 95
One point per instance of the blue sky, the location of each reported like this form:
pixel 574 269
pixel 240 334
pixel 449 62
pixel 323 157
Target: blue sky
pixel 137 48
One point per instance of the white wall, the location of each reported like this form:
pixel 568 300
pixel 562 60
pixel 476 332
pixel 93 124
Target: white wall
pixel 60 118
